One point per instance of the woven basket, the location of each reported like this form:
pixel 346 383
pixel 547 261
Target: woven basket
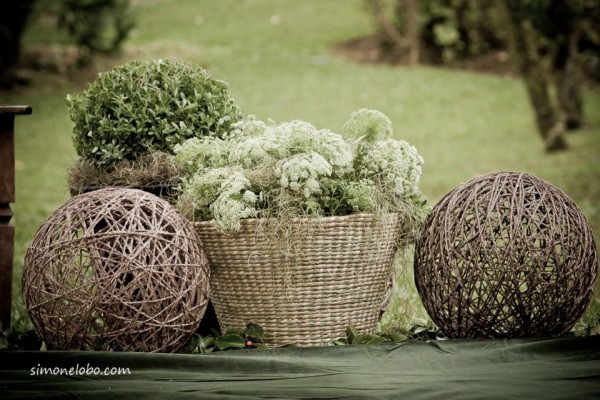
pixel 336 275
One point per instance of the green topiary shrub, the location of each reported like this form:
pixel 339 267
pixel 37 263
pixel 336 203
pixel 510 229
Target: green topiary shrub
pixel 142 107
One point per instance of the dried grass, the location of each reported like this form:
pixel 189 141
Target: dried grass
pixel 155 172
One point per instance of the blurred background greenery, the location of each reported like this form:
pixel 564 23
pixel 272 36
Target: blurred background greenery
pixel 286 60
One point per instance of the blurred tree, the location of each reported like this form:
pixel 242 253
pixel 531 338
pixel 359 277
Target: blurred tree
pixel 589 45
pixel 443 29
pixel 551 40
pixel 528 59
pixel 93 26
pixel 403 34
pixel 454 29
pixel 560 26
pixel 558 30
pixel 409 10
pixel 13 19
pixel 96 26
pixel 569 30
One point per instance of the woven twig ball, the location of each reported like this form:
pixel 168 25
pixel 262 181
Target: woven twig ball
pixel 116 269
pixel 505 255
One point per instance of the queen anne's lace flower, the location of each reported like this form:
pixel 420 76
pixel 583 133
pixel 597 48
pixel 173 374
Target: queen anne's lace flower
pixel 264 169
pixel 298 137
pixel 336 150
pixel 204 187
pixel 368 125
pixel 396 163
pixel 249 126
pixel 235 201
pixel 255 151
pixel 275 143
pixel 361 195
pixel 201 153
pixel 302 172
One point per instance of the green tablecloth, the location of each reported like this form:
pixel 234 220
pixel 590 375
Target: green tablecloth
pixel 566 368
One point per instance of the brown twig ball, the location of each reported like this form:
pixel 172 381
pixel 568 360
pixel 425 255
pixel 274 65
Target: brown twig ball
pixel 505 255
pixel 116 269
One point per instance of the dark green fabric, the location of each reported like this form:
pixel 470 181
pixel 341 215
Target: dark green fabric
pixel 566 368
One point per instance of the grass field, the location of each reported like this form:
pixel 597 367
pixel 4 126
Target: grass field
pixel 277 57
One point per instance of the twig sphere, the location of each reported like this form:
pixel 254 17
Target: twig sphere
pixel 505 255
pixel 116 269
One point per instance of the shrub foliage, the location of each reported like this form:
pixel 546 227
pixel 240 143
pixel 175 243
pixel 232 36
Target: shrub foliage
pixel 141 107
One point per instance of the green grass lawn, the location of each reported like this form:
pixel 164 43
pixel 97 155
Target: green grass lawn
pixel 277 57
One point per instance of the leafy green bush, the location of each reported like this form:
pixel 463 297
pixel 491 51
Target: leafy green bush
pixel 93 26
pixel 294 169
pixel 455 28
pixel 140 107
pixel 96 26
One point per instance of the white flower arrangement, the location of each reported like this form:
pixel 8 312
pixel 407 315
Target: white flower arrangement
pixel 294 169
pixel 396 163
pixel 303 172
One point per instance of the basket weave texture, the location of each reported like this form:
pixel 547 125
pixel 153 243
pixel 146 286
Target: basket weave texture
pixel 336 275
pixel 116 269
pixel 505 255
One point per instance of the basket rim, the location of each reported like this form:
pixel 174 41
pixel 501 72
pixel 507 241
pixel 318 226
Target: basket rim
pixel 211 223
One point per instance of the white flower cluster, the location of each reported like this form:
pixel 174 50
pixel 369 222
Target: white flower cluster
pixel 361 195
pixel 298 154
pixel 250 126
pixel 201 153
pixel 255 150
pixel 302 172
pixel 395 163
pixel 236 201
pixel 368 125
pixel 223 194
pixel 264 169
pixel 335 149
pixel 275 143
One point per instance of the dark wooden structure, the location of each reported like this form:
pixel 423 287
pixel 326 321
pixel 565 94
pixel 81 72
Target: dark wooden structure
pixel 7 196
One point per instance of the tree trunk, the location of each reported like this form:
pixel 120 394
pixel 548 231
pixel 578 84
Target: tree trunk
pixel 411 10
pixel 388 29
pixel 526 55
pixel 405 39
pixel 13 17
pixel 568 82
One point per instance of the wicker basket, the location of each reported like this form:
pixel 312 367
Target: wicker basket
pixel 336 276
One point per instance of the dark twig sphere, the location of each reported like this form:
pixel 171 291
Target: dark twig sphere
pixel 505 255
pixel 116 269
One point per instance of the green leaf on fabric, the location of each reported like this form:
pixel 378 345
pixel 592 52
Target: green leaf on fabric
pixel 376 340
pixel 255 332
pixel 351 332
pixel 398 337
pixel 230 341
pixel 235 331
pixel 361 339
pixel 206 344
